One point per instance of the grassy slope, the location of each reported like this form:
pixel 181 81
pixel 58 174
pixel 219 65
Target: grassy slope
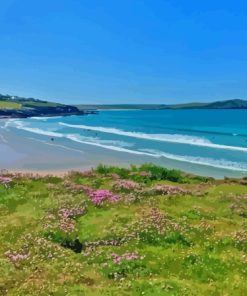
pixel 9 105
pixel 187 244
pixel 39 104
pixel 6 102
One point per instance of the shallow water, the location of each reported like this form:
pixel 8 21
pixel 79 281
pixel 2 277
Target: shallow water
pixel 208 142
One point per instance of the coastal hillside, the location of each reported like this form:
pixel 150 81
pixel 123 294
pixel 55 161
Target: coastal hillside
pixel 13 106
pixel 229 104
pixel 115 231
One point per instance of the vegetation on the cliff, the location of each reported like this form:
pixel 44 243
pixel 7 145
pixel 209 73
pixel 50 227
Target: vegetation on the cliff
pixel 116 231
pixel 13 106
pixel 27 107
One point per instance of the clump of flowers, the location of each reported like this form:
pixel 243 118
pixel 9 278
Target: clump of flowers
pixel 117 259
pixel 5 181
pixel 126 185
pixel 168 189
pixel 101 195
pixel 15 257
pixel 154 227
pixel 105 242
pixel 65 221
pixel 71 212
pixel 66 215
pixel 97 196
pixel 75 188
pixel 67 225
pixel 240 239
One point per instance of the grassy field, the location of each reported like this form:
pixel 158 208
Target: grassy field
pixel 9 105
pixel 40 104
pixel 26 103
pixel 112 231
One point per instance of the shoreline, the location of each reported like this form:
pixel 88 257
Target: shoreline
pixel 63 173
pixel 36 173
pixel 24 152
pixel 79 113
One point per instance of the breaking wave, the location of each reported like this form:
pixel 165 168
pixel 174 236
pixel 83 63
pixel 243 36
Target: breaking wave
pixel 120 146
pixel 172 138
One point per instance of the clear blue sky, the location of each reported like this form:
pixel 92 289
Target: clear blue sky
pixel 129 51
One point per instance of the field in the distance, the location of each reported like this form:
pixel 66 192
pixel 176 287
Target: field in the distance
pixel 9 105
pixel 112 231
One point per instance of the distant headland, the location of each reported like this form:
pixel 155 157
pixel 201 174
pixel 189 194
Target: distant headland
pixel 228 104
pixel 19 107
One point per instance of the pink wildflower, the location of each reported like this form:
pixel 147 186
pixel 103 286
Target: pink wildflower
pixel 71 212
pixel 67 225
pixel 101 195
pixel 168 189
pixel 15 257
pixel 126 185
pixel 126 256
pixel 5 180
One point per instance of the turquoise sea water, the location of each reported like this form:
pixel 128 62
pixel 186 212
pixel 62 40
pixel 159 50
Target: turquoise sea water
pixel 194 140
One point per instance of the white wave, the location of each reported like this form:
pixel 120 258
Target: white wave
pixel 96 140
pixel 113 142
pixel 220 164
pixel 42 132
pixel 8 122
pixel 22 126
pixel 206 161
pixel 45 118
pixel 174 138
pixel 110 147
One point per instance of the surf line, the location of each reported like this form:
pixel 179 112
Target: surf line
pixel 175 138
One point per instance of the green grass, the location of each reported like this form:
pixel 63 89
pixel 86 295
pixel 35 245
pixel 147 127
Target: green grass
pixel 25 104
pixel 9 105
pixel 191 242
pixel 40 104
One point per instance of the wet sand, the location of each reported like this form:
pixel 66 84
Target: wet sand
pixel 25 153
pixel 29 155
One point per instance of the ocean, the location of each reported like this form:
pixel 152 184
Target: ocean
pixel 206 142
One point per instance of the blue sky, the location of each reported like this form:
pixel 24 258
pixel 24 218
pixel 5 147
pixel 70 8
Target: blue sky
pixel 131 51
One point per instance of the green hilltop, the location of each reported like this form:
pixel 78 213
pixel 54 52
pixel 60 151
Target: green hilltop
pixel 13 106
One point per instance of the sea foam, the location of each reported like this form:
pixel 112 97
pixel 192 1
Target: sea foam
pixel 172 138
pixel 120 146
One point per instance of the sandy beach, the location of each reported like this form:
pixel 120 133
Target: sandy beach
pixel 60 144
pixel 30 155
